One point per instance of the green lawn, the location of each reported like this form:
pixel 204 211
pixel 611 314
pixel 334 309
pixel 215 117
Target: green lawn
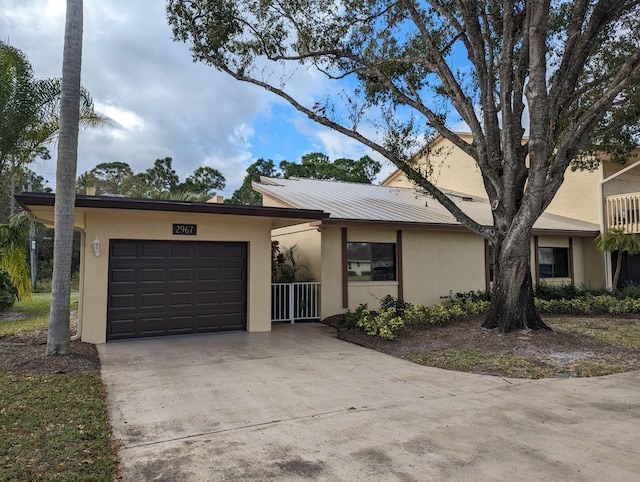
pixel 52 427
pixel 34 313
pixel 621 332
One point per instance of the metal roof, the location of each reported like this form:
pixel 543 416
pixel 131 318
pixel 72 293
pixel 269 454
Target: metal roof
pixel 365 202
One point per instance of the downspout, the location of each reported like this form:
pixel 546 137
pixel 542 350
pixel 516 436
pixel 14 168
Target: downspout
pixel 605 255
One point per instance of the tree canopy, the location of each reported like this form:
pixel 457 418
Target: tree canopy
pixel 536 82
pixel 315 165
pixel 29 115
pixel 160 181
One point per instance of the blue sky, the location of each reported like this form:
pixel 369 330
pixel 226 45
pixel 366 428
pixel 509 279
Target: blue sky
pixel 163 103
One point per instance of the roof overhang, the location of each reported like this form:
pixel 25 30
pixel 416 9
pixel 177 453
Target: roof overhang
pixel 443 227
pixel 280 217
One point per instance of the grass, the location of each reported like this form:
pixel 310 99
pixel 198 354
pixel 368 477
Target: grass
pixel 620 332
pixel 516 366
pixel 623 333
pixel 53 427
pixel 34 313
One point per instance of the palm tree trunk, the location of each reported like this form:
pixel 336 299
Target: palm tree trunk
pixel 616 275
pixel 58 341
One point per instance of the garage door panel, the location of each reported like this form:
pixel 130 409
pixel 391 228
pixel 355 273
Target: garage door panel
pixel 207 274
pixel 123 275
pixel 152 300
pixel 186 298
pixel 231 296
pixel 124 250
pixel 126 300
pixel 234 251
pixel 233 274
pixel 152 325
pixel 182 250
pixel 175 287
pixel 124 328
pixel 153 250
pixel 181 274
pixel 152 275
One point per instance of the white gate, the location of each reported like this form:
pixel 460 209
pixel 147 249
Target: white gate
pixel 295 301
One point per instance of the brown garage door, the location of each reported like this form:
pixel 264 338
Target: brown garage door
pixel 159 288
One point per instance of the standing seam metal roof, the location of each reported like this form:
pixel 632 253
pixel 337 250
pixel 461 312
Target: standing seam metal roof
pixel 365 202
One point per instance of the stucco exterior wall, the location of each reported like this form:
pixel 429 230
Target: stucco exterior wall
pixel 439 262
pixel 306 239
pixel 106 224
pixel 331 271
pixel 577 198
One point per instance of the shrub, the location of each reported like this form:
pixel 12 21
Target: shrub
pixel 385 324
pixel 8 293
pixel 473 296
pixel 630 290
pixel 389 302
pixel 351 319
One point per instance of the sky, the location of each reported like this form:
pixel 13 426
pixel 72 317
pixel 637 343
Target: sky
pixel 162 103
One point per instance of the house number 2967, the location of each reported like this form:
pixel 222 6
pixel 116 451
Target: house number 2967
pixel 185 229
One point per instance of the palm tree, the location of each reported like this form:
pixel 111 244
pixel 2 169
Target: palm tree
pixel 29 115
pixel 13 239
pixel 59 341
pixel 616 239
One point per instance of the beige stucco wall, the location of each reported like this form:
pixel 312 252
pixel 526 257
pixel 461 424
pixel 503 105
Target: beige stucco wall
pixel 436 263
pixel 106 224
pixel 577 198
pixel 306 239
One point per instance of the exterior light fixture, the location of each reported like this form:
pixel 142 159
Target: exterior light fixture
pixel 95 244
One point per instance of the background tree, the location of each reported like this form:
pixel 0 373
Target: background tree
pixel 58 339
pixel 161 177
pixel 204 180
pixel 108 178
pixel 157 182
pixel 566 71
pixel 313 166
pixel 245 193
pixel 318 166
pixel 616 239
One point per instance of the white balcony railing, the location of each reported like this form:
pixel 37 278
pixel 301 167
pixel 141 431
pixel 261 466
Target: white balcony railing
pixel 295 301
pixel 623 211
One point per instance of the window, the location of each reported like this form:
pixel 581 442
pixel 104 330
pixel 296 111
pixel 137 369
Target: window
pixel 371 261
pixel 553 262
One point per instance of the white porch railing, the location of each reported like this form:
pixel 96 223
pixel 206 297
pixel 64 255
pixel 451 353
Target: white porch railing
pixel 623 211
pixel 295 301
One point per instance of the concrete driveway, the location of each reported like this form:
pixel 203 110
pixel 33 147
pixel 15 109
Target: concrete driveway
pixel 298 404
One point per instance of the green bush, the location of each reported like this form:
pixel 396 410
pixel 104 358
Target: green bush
pixel 8 293
pixel 589 304
pixel 630 290
pixel 566 292
pixel 385 324
pixel 389 302
pixel 351 318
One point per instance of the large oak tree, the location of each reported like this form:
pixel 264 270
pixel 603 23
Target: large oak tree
pixel 537 82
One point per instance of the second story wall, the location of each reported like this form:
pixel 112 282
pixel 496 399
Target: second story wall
pixel 578 197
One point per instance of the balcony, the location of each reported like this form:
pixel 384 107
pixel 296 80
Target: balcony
pixel 623 211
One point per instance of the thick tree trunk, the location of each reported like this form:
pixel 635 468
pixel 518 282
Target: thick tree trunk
pixel 59 340
pixel 512 301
